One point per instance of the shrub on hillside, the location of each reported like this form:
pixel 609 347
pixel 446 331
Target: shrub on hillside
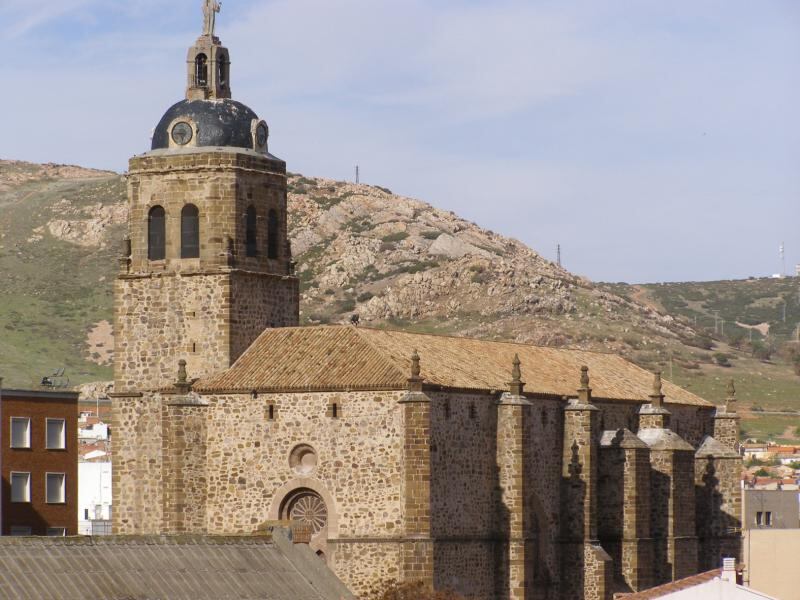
pixel 722 359
pixel 762 351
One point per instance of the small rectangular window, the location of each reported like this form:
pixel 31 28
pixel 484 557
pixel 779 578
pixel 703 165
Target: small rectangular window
pixel 20 530
pixel 768 519
pixel 55 488
pixel 85 514
pixel 759 517
pixel 56 531
pixel 20 487
pixel 20 432
pixel 55 434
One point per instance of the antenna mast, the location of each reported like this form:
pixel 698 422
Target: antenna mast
pixel 558 251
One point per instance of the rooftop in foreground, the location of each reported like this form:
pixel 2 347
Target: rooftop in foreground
pixel 192 567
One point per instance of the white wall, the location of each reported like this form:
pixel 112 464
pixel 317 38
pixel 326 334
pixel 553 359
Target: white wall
pixel 717 589
pixel 94 488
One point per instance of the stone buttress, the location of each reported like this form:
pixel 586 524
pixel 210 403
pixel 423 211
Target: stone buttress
pixel 589 566
pixel 417 551
pixel 514 576
pixel 672 523
pixel 624 514
pixel 718 468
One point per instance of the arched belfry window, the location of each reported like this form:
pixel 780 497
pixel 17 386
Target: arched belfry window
pixel 201 70
pixel 190 232
pixel 156 233
pixel 251 228
pixel 222 70
pixel 273 235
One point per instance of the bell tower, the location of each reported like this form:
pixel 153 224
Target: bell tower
pixel 208 263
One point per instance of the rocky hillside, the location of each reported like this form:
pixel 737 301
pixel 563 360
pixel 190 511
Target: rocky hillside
pixel 360 249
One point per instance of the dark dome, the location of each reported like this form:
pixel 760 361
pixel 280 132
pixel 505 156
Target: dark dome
pixel 219 123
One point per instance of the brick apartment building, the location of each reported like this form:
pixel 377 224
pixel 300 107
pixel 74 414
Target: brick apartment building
pixel 39 462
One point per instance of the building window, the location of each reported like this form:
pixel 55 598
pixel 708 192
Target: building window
pixel 201 71
pixel 473 413
pixel 20 530
pixel 56 531
pixel 55 434
pixel 768 519
pixel 55 488
pixel 20 432
pixel 251 228
pixel 273 234
pixel 156 234
pixel 20 487
pixel 190 232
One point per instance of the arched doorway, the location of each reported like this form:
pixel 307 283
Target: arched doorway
pixel 307 506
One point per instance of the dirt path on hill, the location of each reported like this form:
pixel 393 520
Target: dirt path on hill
pixel 642 296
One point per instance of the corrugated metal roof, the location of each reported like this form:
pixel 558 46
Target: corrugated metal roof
pixel 188 567
pixel 354 358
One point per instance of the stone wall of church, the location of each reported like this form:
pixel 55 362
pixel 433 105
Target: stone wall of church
pixel 137 464
pixel 161 319
pixel 258 302
pixel 692 423
pixel 357 469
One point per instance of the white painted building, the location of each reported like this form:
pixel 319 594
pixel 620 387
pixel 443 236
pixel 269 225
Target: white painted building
pixel 94 495
pixel 95 431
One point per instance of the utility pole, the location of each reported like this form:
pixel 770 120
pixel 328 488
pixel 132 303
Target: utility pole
pixel 783 259
pixel 716 321
pixel 784 310
pixel 358 175
pixel 558 251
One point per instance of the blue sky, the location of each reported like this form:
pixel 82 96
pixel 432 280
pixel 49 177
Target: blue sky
pixel 655 141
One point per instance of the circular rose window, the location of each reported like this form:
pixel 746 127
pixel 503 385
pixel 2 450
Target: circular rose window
pixel 307 507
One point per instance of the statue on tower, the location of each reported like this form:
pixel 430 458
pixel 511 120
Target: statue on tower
pixel 210 10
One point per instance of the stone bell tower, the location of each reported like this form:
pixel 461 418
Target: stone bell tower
pixel 208 263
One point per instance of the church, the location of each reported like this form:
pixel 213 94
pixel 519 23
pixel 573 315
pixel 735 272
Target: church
pixel 496 470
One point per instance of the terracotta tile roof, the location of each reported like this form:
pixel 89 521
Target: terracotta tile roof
pixel 359 358
pixel 672 587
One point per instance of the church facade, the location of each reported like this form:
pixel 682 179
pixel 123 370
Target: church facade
pixel 497 470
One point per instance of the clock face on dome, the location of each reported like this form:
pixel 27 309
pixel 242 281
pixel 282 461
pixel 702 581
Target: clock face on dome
pixel 182 133
pixel 261 134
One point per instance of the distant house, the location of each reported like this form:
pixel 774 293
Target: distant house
pixel 39 462
pixel 94 497
pixel 771 508
pixel 94 429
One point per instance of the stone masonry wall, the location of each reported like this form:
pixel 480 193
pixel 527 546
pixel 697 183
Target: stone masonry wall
pixel 161 319
pixel 692 423
pixel 184 460
pixel 545 425
pixel 259 302
pixel 358 470
pixel 136 464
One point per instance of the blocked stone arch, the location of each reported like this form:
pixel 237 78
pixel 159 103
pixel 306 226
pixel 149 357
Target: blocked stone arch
pixel 287 491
